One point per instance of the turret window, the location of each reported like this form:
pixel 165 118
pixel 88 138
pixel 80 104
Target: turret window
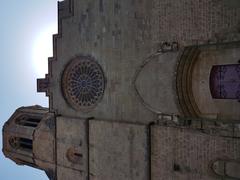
pixel 25 120
pixel 20 143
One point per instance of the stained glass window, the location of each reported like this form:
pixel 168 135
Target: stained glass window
pixel 225 81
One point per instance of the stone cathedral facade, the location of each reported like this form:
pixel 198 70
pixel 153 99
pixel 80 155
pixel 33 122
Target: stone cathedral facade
pixel 138 90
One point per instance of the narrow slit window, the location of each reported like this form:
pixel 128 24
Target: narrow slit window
pixel 28 121
pixel 25 143
pixel 21 143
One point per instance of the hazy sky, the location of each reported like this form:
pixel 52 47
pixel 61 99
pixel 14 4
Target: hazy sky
pixel 25 35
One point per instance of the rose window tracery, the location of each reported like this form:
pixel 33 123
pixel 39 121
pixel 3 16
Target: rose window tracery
pixel 83 83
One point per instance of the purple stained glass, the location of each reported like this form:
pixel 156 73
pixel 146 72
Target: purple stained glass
pixel 225 81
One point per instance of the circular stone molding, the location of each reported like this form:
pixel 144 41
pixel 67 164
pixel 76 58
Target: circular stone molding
pixel 83 83
pixel 14 142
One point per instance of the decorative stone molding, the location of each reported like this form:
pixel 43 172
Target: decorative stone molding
pixel 184 82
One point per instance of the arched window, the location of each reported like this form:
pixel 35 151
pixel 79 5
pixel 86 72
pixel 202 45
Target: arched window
pixel 225 81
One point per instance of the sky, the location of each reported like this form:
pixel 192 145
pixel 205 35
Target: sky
pixel 25 43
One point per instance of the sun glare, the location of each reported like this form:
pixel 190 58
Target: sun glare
pixel 42 49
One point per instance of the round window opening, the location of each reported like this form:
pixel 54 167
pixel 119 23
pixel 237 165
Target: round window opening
pixel 83 83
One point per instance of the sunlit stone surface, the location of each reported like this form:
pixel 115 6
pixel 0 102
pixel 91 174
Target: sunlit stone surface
pixel 138 90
